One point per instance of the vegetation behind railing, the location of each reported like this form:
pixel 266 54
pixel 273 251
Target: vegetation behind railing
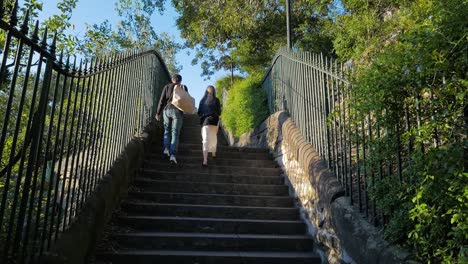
pixel 400 158
pixel 63 124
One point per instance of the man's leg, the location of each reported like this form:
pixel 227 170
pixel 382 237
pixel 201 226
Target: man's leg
pixel 177 119
pixel 167 130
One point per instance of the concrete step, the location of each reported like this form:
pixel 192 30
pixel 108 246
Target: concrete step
pixel 212 169
pixel 210 187
pixel 157 154
pixel 212 199
pixel 207 257
pixel 213 178
pixel 221 148
pixel 210 211
pixel 211 225
pixel 220 161
pixel 218 242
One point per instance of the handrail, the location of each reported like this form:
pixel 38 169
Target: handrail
pixel 63 124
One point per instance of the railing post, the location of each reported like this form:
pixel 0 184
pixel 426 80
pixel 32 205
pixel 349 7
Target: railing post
pixel 288 23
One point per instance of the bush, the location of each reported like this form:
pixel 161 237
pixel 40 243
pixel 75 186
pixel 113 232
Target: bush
pixel 422 73
pixel 246 106
pixel 225 84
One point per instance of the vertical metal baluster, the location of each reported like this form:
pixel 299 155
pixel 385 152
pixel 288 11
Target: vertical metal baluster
pixel 326 93
pixel 319 109
pixel 358 161
pixel 120 95
pixel 107 112
pixel 6 51
pixel 122 103
pixel 95 125
pixel 372 174
pixel 314 105
pixel 418 121
pixel 112 113
pixel 334 99
pixel 104 117
pixel 58 150
pixel 115 105
pixel 132 111
pixel 65 151
pixel 339 96
pixel 11 161
pixel 50 157
pixel 399 162
pixel 9 168
pixel 81 196
pixel 47 157
pixel 79 163
pixel 76 151
pixel 350 139
pixel 345 135
pixel 309 95
pixel 99 123
pixel 89 122
pixel 37 128
pixel 364 164
pixel 75 82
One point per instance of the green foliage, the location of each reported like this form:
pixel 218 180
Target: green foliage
pixel 246 106
pixel 415 61
pixel 133 31
pixel 59 23
pixel 225 84
pixel 249 32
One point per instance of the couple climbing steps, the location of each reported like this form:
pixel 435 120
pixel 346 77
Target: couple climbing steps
pixel 237 211
pixel 209 111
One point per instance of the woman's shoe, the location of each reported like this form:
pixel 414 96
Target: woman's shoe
pixel 204 165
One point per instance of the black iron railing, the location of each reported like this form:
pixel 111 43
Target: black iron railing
pixel 315 92
pixel 63 124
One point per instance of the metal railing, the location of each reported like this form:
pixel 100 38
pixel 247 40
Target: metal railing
pixel 63 124
pixel 315 92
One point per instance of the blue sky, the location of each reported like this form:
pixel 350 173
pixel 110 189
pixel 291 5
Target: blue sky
pixel 96 11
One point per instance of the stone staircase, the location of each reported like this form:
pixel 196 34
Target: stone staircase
pixel 235 211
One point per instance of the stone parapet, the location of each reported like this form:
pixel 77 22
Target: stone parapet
pixel 338 228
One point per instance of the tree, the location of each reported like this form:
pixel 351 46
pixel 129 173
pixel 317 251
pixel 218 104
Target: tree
pixel 133 31
pixel 249 32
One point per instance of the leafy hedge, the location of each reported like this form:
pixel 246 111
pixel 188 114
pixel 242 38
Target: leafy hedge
pixel 246 106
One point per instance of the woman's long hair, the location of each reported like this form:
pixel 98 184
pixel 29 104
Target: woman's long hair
pixel 209 98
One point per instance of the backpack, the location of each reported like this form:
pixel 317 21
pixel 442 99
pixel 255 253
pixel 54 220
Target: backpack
pixel 182 100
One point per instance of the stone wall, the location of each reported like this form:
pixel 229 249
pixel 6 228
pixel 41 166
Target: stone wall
pixel 77 244
pixel 337 227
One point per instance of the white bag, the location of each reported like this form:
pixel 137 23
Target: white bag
pixel 182 100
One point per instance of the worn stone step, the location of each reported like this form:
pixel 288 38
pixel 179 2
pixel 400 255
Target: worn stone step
pixel 210 187
pixel 157 154
pixel 211 225
pixel 220 148
pixel 221 161
pixel 218 242
pixel 212 169
pixel 214 178
pixel 213 199
pixel 207 257
pixel 210 211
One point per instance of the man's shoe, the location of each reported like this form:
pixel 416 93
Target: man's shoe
pixel 173 159
pixel 166 152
